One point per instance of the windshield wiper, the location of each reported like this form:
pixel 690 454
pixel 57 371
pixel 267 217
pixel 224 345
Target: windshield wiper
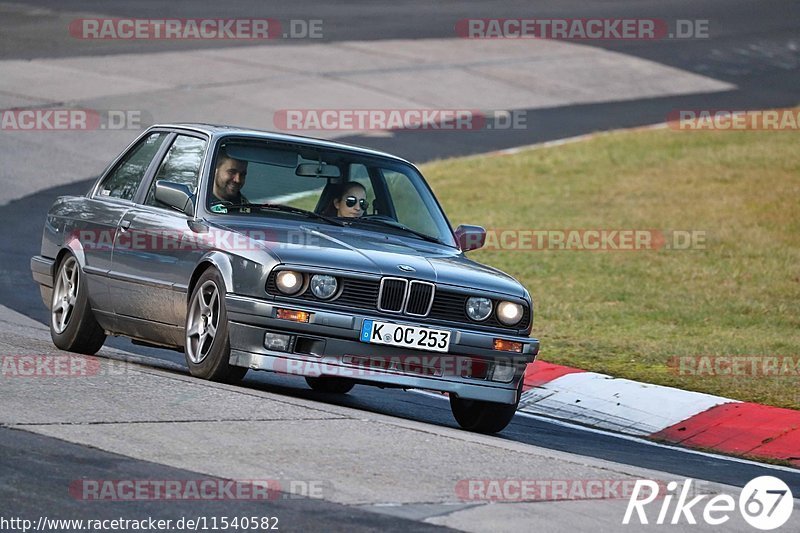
pixel 285 209
pixel 394 224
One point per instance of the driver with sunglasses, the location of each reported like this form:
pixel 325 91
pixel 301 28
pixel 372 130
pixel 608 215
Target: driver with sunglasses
pixel 351 202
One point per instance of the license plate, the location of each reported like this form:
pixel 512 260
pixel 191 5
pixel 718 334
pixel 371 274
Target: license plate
pixel 433 340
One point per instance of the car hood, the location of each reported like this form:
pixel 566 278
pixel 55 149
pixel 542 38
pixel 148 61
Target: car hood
pixel 373 252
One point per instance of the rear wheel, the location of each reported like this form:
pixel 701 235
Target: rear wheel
pixel 72 323
pixel 330 384
pixel 483 417
pixel 207 346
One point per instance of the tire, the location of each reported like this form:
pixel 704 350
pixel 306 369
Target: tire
pixel 73 326
pixel 483 417
pixel 207 347
pixel 330 384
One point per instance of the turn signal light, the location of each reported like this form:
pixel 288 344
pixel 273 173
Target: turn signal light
pixel 507 346
pixel 294 315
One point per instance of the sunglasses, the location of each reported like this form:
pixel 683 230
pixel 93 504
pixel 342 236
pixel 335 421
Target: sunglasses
pixel 351 201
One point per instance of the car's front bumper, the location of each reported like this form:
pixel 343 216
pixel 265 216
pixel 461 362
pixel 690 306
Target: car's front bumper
pixel 329 345
pixel 42 272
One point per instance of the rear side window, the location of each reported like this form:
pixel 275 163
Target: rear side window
pixel 181 165
pixel 124 180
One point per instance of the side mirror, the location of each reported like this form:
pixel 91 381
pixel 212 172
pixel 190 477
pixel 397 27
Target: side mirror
pixel 470 237
pixel 175 195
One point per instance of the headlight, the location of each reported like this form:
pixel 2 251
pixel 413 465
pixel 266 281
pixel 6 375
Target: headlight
pixel 289 282
pixel 323 286
pixel 509 313
pixel 479 308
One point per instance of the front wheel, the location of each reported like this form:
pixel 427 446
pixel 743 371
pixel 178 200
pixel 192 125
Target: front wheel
pixel 481 416
pixel 72 323
pixel 207 346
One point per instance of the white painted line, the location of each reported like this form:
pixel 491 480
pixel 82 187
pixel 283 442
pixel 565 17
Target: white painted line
pixel 640 440
pixel 631 438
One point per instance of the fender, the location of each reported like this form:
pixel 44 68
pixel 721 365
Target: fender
pixel 74 246
pixel 218 260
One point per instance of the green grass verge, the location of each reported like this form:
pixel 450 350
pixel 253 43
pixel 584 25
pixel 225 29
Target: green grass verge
pixel 627 313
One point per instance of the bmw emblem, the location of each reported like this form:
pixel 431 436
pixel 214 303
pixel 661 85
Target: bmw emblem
pixel 406 268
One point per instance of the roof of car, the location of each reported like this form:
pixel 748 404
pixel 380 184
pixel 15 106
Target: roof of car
pixel 220 129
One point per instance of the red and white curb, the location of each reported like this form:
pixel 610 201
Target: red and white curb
pixel 665 414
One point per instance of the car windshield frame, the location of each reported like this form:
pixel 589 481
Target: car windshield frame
pixel 384 163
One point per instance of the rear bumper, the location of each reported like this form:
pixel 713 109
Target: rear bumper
pixel 329 345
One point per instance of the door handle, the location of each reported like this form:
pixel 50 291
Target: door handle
pixel 125 224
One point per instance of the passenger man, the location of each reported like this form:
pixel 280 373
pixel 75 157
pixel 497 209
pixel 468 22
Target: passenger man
pixel 229 178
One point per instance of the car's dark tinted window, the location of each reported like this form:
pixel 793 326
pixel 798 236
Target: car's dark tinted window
pixel 181 165
pixel 124 180
pixel 409 202
pixel 310 177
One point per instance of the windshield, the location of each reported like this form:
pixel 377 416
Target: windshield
pixel 346 188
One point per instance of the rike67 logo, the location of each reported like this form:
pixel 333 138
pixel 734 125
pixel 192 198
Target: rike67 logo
pixel 765 503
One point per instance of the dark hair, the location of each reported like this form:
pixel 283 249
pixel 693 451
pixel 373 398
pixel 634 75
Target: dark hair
pixel 222 155
pixel 336 193
pixel 342 188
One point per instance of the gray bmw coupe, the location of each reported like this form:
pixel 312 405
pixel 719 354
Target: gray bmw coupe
pixel 254 250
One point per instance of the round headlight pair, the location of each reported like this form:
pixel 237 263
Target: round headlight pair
pixel 479 309
pixel 322 286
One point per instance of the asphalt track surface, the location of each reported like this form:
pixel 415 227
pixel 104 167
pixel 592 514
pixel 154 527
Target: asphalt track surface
pixel 69 462
pixel 748 47
pixel 40 467
pixel 753 45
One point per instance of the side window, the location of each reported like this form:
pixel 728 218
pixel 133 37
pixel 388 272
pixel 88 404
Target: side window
pixel 123 181
pixel 359 173
pixel 181 165
pixel 408 204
